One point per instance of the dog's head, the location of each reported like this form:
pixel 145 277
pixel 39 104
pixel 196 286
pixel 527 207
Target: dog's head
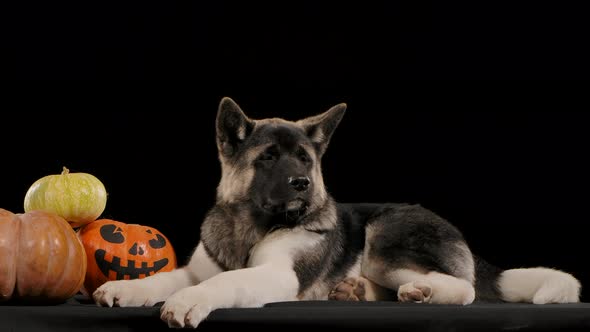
pixel 274 164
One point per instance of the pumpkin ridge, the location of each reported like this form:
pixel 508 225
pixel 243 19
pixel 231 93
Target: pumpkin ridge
pixel 16 254
pixel 51 261
pixel 70 252
pixel 75 248
pixel 81 269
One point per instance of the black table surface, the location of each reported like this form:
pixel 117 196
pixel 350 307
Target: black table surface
pixel 80 314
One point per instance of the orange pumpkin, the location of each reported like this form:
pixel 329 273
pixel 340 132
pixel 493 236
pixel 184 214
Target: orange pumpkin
pixel 117 250
pixel 41 259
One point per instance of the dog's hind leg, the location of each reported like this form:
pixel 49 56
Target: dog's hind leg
pixel 419 255
pixel 411 286
pixel 430 287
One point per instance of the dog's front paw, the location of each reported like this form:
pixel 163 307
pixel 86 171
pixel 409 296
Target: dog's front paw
pixel 125 293
pixel 186 308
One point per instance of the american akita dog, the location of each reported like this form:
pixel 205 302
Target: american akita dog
pixel 275 234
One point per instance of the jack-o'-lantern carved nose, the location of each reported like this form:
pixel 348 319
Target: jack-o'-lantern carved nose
pixel 135 249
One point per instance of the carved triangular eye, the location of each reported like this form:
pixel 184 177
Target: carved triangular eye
pixel 111 233
pixel 158 243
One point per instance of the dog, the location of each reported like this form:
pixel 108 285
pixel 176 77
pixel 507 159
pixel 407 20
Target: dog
pixel 275 234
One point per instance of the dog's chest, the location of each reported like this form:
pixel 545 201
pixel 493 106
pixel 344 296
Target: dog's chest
pixel 229 242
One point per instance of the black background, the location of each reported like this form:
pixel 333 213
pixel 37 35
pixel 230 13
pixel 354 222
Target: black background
pixel 449 107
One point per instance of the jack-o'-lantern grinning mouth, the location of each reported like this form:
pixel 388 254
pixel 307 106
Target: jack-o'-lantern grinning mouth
pixel 130 270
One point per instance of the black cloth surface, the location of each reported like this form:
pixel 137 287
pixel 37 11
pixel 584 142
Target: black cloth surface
pixel 79 314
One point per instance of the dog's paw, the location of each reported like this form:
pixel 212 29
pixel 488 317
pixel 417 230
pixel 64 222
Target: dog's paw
pixel 350 289
pixel 186 308
pixel 417 292
pixel 124 293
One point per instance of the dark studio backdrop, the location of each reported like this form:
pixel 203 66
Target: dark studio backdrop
pixel 505 161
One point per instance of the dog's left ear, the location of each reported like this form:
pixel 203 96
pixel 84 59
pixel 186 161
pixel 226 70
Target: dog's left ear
pixel 320 128
pixel 233 126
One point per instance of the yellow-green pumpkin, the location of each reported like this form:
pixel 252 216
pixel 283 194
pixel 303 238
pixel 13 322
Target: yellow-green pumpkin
pixel 79 198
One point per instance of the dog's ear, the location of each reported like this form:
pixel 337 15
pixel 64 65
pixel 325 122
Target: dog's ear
pixel 320 128
pixel 232 125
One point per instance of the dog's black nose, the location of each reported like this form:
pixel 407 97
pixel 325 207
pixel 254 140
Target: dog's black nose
pixel 299 183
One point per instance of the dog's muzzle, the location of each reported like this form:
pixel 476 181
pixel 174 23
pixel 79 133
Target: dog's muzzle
pixel 296 204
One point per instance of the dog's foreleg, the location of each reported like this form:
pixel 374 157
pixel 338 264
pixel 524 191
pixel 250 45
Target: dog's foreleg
pixel 270 278
pixel 158 287
pixel 250 287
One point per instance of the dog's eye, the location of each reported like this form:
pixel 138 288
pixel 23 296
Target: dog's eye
pixel 266 156
pixel 303 156
pixel 270 154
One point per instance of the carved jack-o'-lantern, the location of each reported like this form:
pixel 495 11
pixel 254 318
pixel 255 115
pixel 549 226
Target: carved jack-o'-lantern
pixel 117 251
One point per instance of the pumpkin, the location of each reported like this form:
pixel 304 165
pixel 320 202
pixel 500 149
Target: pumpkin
pixel 41 259
pixel 79 198
pixel 116 251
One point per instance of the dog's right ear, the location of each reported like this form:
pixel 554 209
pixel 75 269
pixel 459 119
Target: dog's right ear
pixel 232 125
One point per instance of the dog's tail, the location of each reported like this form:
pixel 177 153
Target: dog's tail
pixel 538 285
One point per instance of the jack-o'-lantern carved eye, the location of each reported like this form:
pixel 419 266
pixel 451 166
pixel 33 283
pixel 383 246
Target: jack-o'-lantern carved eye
pixel 157 243
pixel 111 233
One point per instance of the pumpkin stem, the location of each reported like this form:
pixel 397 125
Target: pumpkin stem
pixel 65 170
